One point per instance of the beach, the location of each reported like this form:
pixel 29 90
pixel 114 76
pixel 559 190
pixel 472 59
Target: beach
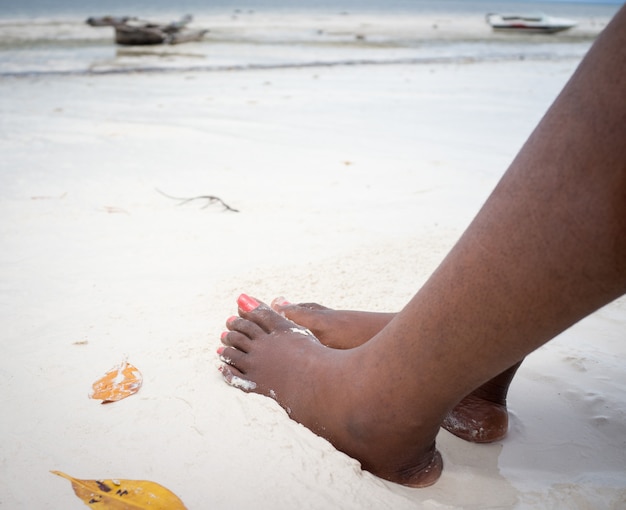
pixel 346 184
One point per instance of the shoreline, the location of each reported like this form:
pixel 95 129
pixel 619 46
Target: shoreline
pixel 452 60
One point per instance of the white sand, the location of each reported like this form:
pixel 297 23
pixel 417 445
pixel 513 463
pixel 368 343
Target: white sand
pixel 352 184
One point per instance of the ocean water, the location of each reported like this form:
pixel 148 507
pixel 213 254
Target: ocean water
pixel 39 37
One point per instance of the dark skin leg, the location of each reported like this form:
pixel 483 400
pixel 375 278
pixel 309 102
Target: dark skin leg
pixel 481 417
pixel 547 249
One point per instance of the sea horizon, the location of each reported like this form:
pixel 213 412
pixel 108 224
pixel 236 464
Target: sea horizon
pixel 38 8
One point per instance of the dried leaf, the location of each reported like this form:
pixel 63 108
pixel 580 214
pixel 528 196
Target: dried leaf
pixel 124 494
pixel 118 383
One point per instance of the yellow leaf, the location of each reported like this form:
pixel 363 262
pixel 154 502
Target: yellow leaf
pixel 118 383
pixel 124 494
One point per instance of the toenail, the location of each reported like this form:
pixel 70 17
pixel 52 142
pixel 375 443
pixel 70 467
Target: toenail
pixel 231 319
pixel 280 301
pixel 223 335
pixel 220 349
pixel 247 303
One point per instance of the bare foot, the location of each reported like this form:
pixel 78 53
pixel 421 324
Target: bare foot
pixel 481 417
pixel 330 392
pixel 339 329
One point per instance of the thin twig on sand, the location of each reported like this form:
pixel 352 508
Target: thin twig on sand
pixel 211 199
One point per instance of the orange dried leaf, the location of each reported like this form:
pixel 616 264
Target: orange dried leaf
pixel 124 494
pixel 118 383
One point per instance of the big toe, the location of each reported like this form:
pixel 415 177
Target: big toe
pixel 263 315
pixel 304 314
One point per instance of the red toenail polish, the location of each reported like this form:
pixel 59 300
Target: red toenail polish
pixel 247 303
pixel 281 301
pixel 220 350
pixel 223 335
pixel 231 319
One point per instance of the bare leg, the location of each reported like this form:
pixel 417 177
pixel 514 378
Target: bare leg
pixel 547 249
pixel 480 417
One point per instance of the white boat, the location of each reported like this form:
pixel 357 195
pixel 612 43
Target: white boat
pixel 532 23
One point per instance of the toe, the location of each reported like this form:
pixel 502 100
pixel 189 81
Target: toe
pixel 290 310
pixel 237 340
pixel 309 315
pixel 233 357
pixel 279 304
pixel 244 327
pixel 264 318
pixel 236 378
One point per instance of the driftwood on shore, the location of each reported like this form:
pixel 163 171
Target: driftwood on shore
pixel 131 31
pixel 211 199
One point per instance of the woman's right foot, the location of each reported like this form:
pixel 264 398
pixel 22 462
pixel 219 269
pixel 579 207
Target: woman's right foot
pixel 481 417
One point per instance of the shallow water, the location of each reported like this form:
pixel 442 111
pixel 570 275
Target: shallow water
pixel 44 37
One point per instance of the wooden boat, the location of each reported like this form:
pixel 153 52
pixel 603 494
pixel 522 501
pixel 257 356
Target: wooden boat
pixel 530 23
pixel 131 31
